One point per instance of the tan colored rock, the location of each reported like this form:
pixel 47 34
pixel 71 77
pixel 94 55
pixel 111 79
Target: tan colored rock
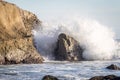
pixel 16 42
pixel 68 49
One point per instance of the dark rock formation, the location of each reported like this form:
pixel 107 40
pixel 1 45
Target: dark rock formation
pixel 113 67
pixel 97 78
pixel 16 41
pixel 68 49
pixel 109 77
pixel 49 77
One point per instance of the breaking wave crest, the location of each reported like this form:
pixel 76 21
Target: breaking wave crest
pixel 97 39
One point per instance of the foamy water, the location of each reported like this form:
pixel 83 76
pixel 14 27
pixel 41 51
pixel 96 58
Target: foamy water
pixel 63 70
pixel 96 39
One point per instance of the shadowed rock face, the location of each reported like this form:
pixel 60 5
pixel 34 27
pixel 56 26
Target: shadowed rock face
pixel 68 49
pixel 16 42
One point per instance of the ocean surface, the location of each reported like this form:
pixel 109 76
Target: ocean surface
pixel 82 70
pixel 96 39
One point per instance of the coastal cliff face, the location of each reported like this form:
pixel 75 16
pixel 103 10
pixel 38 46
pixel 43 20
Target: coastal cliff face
pixel 16 41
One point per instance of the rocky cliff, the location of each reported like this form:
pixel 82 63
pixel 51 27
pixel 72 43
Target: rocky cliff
pixel 16 41
pixel 68 49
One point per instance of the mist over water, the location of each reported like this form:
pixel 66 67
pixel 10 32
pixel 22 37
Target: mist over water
pixel 96 39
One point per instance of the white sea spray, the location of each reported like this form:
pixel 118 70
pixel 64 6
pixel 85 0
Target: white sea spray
pixel 96 39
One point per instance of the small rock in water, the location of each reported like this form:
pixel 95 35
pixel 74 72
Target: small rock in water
pixel 97 78
pixel 49 77
pixel 113 67
pixel 12 74
pixel 108 77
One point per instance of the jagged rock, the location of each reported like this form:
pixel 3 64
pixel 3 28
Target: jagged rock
pixel 113 67
pixel 108 77
pixel 68 49
pixel 16 41
pixel 49 77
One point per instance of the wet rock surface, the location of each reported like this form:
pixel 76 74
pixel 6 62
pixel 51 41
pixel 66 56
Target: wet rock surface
pixel 113 67
pixel 49 77
pixel 68 49
pixel 108 77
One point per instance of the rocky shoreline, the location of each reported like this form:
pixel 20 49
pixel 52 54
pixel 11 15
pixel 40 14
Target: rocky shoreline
pixel 17 45
pixel 16 39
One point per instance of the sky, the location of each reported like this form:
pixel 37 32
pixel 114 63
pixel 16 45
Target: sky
pixel 107 12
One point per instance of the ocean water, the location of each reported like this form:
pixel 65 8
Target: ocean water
pixel 100 50
pixel 82 70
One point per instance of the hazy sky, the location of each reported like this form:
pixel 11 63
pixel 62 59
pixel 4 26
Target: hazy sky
pixel 107 12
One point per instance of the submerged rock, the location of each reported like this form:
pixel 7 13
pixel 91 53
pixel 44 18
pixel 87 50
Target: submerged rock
pixel 108 77
pixel 12 74
pixel 113 67
pixel 68 49
pixel 16 41
pixel 49 77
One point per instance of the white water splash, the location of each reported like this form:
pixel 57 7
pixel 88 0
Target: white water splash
pixel 95 38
